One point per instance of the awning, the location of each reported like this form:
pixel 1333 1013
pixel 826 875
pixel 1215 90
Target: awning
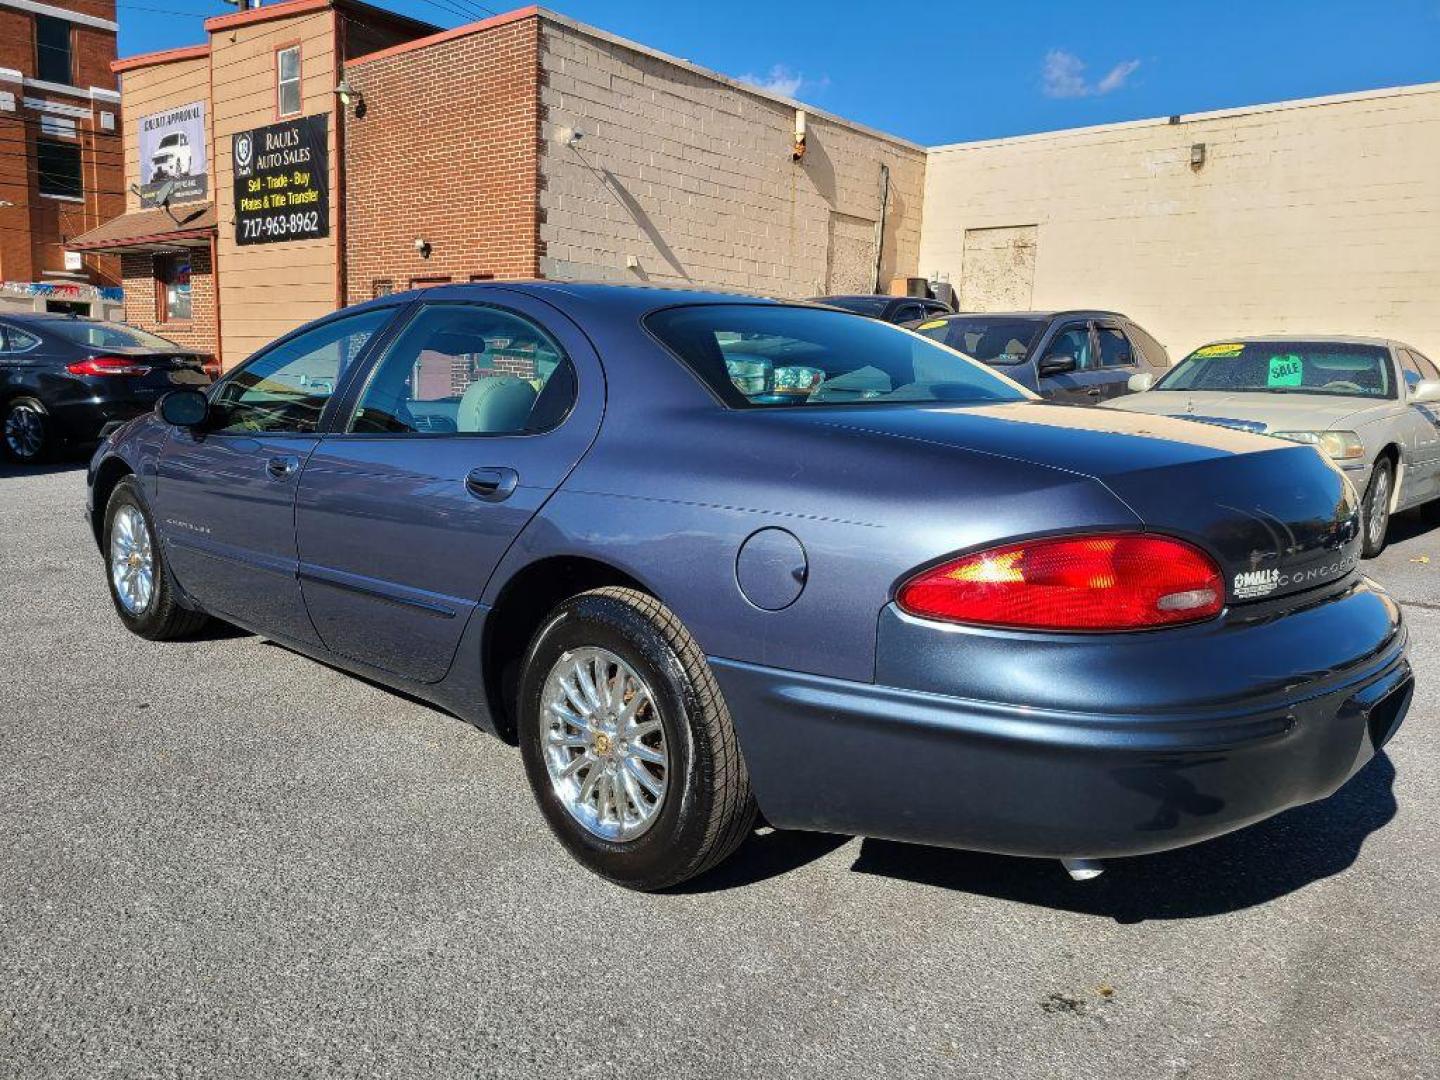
pixel 151 230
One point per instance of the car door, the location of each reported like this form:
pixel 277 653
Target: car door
pixel 1421 424
pixel 469 421
pixel 1082 386
pixel 225 493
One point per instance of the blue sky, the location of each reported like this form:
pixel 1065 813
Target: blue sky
pixel 954 70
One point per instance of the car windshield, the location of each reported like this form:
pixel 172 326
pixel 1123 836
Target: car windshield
pixel 861 305
pixel 1285 367
pixel 991 339
pixel 103 335
pixel 756 356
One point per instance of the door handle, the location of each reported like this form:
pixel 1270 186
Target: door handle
pixel 282 467
pixel 492 485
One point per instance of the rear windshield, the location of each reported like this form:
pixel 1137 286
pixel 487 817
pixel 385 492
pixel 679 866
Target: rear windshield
pixel 989 339
pixel 861 305
pixel 1285 367
pixel 101 335
pixel 756 356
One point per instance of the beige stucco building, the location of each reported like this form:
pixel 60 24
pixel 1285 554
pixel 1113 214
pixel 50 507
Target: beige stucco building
pixel 1318 215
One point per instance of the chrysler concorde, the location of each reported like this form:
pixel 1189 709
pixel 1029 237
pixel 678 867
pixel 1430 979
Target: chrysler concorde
pixel 706 557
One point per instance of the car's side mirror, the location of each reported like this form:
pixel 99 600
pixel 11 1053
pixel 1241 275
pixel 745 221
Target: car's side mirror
pixel 1425 390
pixel 184 408
pixel 1057 364
pixel 1138 384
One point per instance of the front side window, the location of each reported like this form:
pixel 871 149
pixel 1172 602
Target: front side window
pixel 764 355
pixel 989 339
pixel 172 275
pixel 285 389
pixel 465 369
pixel 287 80
pixel 1285 367
pixel 1073 341
pixel 57 165
pixel 1115 348
pixel 53 58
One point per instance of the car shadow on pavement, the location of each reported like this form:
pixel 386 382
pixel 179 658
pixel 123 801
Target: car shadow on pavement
pixel 766 853
pixel 1230 873
pixel 10 471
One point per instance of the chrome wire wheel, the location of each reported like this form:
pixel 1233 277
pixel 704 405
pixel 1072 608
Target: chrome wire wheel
pixel 1379 510
pixel 24 431
pixel 604 744
pixel 132 560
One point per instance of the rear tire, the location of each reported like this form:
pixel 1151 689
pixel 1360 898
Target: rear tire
pixel 26 434
pixel 145 601
pixel 1375 508
pixel 622 830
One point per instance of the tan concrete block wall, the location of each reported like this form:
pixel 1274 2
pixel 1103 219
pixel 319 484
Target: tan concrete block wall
pixel 1317 217
pixel 693 176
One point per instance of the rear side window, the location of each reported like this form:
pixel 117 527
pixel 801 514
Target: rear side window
pixel 773 356
pixel 1115 348
pixel 14 340
pixel 1151 351
pixel 468 369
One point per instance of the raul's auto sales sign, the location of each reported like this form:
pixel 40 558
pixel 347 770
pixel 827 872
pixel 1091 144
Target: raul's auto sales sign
pixel 282 181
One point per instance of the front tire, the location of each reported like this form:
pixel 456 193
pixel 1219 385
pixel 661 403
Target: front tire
pixel 140 585
pixel 1375 508
pixel 628 744
pixel 26 435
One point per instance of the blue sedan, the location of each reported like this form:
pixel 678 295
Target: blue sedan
pixel 705 556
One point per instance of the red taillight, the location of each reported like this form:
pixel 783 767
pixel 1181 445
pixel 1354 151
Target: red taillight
pixel 1108 582
pixel 107 365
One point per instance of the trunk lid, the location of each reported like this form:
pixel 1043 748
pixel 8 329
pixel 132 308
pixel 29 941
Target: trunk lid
pixel 1278 517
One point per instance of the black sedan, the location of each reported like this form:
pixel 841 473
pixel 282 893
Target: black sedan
pixel 892 309
pixel 71 381
pixel 1079 357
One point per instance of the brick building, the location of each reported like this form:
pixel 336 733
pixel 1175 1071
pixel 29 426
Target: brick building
pixel 60 169
pixel 453 156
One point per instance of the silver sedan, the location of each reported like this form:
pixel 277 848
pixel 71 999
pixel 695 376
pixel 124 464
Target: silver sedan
pixel 1369 404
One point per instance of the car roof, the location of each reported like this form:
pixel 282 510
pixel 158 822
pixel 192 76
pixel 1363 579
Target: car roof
pixel 1079 313
pixel 1318 339
pixel 618 299
pixel 42 317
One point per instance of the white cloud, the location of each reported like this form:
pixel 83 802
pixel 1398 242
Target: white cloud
pixel 782 81
pixel 1063 76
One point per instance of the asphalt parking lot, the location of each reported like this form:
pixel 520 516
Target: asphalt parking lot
pixel 221 859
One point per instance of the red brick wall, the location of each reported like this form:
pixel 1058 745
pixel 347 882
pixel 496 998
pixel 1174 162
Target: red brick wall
pixel 34 230
pixel 448 152
pixel 141 306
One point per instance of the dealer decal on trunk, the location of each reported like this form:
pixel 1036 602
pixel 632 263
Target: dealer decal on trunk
pixel 1252 583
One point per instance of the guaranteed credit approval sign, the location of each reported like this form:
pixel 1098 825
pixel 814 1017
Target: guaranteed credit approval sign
pixel 282 181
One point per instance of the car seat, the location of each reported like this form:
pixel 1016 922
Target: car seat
pixel 495 404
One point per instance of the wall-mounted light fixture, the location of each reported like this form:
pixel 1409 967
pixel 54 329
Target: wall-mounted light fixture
pixel 798 151
pixel 1197 156
pixel 422 246
pixel 348 95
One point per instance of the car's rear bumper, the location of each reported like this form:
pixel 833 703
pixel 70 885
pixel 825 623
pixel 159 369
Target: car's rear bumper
pixel 83 422
pixel 1077 781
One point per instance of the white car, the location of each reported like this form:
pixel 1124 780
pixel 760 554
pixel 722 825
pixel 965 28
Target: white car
pixel 171 158
pixel 1370 404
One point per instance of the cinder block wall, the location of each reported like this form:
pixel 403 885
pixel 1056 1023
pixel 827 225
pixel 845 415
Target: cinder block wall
pixel 1308 216
pixel 691 174
pixel 446 151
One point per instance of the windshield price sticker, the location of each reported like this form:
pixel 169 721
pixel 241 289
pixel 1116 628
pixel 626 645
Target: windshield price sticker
pixel 931 325
pixel 1226 349
pixel 1288 370
pixel 282 185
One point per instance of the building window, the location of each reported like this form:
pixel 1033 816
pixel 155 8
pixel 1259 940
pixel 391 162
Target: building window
pixel 58 166
pixel 287 80
pixel 172 280
pixel 53 61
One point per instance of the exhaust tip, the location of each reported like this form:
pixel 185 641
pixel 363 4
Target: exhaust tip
pixel 1083 869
